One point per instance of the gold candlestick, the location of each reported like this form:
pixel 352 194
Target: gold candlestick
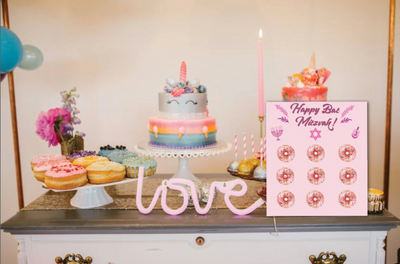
pixel 261 119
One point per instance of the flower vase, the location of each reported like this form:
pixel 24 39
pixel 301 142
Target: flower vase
pixel 75 143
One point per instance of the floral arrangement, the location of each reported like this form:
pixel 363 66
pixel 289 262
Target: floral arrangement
pixel 57 125
pixel 179 88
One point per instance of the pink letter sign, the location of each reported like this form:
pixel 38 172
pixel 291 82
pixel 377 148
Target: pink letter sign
pixel 317 158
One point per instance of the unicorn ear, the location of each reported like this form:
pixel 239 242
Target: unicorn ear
pixel 194 83
pixel 170 81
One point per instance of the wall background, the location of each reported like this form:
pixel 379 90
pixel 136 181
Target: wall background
pixel 118 54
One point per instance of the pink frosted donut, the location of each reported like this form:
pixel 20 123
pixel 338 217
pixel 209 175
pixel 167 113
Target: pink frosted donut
pixel 285 176
pixel 315 199
pixel 347 199
pixel 348 175
pixel 347 153
pixel 316 176
pixel 315 153
pixel 285 153
pixel 285 199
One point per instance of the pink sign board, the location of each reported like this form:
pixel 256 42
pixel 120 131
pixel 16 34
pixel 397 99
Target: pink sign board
pixel 317 158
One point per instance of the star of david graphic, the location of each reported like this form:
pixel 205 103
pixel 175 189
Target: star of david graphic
pixel 315 134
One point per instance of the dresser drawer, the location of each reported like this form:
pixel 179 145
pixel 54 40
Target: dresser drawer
pixel 296 247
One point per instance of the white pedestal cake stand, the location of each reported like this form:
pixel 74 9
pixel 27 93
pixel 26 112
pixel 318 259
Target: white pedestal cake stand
pixel 184 172
pixel 92 195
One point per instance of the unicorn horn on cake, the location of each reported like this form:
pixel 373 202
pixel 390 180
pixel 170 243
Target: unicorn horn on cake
pixel 312 62
pixel 205 131
pixel 181 132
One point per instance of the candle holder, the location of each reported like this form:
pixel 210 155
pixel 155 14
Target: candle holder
pixel 261 119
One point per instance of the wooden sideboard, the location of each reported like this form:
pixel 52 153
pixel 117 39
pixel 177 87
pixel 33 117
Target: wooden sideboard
pixel 124 236
pixel 127 236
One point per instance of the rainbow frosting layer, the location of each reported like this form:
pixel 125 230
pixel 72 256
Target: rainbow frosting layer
pixel 182 133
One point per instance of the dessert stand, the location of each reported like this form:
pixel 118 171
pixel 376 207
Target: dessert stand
pixel 92 195
pixel 184 172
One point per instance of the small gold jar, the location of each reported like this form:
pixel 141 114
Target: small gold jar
pixel 376 204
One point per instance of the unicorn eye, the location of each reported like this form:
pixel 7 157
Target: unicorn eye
pixel 195 103
pixel 169 102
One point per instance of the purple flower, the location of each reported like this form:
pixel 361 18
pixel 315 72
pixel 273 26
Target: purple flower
pixel 71 100
pixel 75 120
pixel 67 107
pixel 81 134
pixel 75 111
pixel 69 127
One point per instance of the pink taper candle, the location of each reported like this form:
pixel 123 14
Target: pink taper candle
pixel 260 77
pixel 182 76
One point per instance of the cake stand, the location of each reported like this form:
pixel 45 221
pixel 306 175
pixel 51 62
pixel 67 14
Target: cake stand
pixel 183 155
pixel 92 195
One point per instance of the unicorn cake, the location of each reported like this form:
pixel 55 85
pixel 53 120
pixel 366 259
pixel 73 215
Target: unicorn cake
pixel 183 120
pixel 307 85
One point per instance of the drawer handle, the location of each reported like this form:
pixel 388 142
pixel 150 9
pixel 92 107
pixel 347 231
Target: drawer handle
pixel 73 259
pixel 200 241
pixel 328 258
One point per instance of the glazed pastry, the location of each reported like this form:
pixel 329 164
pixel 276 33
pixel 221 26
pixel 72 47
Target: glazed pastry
pixel 285 176
pixel 315 199
pixel 107 150
pixel 347 199
pixel 347 153
pixel 105 172
pixel 315 153
pixel 64 177
pixel 348 176
pixel 80 153
pixel 40 169
pixel 285 153
pixel 86 161
pixel 285 199
pixel 132 165
pixel 37 159
pixel 120 155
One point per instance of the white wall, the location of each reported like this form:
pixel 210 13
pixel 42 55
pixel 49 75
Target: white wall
pixel 118 54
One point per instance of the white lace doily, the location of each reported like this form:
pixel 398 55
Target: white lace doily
pixel 144 149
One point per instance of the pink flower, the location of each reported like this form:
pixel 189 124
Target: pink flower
pixel 176 92
pixel 50 126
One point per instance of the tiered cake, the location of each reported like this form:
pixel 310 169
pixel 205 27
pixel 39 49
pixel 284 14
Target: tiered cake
pixel 183 121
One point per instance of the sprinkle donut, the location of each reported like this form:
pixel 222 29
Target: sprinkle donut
pixel 315 153
pixel 315 199
pixel 285 176
pixel 347 199
pixel 316 176
pixel 285 153
pixel 347 153
pixel 348 175
pixel 285 199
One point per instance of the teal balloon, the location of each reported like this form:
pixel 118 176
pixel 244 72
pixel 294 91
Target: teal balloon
pixel 11 50
pixel 32 58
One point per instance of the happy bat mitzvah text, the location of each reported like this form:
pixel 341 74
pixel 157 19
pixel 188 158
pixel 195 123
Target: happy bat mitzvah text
pixel 326 109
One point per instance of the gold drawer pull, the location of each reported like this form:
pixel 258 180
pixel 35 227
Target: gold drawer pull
pixel 200 241
pixel 73 259
pixel 328 258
